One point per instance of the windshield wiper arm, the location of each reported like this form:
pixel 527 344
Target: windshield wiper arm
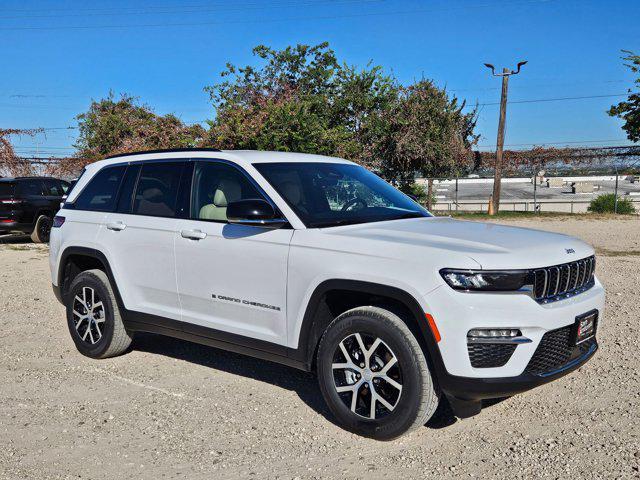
pixel 408 215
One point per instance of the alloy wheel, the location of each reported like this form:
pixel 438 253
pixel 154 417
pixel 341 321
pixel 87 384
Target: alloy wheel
pixel 44 229
pixel 367 376
pixel 88 315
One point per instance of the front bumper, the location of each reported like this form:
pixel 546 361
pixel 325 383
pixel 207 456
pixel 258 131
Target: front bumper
pixel 465 394
pixel 470 389
pixel 456 313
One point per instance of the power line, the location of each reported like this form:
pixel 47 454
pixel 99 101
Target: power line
pixel 541 144
pixel 262 20
pixel 468 105
pixel 551 82
pixel 558 99
pixel 198 9
pixel 148 7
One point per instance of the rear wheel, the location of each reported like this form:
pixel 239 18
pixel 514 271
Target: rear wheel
pixel 93 316
pixel 373 374
pixel 42 230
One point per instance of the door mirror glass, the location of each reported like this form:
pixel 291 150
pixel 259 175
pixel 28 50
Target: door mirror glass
pixel 254 212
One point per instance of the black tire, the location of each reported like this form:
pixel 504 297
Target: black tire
pixel 418 397
pixel 42 229
pixel 114 338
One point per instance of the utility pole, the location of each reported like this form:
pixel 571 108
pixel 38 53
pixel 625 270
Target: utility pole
pixel 497 176
pixel 615 194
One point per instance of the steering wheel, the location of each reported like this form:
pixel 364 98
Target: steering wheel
pixel 352 202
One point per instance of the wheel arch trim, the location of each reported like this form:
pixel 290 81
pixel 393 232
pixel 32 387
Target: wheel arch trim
pixel 90 253
pixel 310 333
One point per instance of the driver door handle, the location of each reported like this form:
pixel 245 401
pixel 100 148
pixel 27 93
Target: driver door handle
pixel 116 226
pixel 193 234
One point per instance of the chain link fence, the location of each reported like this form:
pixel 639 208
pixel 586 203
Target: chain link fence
pixel 567 191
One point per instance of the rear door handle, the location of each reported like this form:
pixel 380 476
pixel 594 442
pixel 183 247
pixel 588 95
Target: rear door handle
pixel 116 226
pixel 193 234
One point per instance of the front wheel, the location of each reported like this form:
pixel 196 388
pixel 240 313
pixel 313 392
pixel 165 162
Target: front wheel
pixel 373 374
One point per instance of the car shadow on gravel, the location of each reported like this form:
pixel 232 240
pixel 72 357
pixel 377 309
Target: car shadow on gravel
pixel 303 383
pixel 13 239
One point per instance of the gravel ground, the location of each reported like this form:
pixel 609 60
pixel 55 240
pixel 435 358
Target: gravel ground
pixel 173 409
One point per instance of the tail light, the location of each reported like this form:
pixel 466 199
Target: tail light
pixel 58 221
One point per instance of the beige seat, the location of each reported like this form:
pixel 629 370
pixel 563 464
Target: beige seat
pixel 153 203
pixel 293 193
pixel 228 191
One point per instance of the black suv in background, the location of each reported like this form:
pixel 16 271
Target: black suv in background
pixel 28 204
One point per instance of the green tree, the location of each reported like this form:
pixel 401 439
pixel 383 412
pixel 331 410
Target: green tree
pixel 427 133
pixel 112 126
pixel 629 110
pixel 278 106
pixel 302 99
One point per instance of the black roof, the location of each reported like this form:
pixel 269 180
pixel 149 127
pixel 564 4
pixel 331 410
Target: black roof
pixel 13 179
pixel 164 150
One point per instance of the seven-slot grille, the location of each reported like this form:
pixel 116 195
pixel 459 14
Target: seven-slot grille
pixel 562 281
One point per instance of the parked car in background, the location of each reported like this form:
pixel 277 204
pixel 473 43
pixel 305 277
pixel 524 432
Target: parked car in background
pixel 28 204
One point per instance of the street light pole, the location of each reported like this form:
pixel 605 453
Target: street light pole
pixel 497 176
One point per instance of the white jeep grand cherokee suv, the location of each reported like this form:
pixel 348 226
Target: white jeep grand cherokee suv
pixel 317 263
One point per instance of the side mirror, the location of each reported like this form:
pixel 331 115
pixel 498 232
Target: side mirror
pixel 254 212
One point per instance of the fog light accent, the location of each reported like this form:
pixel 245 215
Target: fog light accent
pixel 494 333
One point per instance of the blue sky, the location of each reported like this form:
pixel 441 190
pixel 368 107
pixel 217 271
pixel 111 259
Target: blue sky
pixel 57 56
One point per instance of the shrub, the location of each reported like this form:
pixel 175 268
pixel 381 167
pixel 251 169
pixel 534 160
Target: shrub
pixel 606 204
pixel 419 192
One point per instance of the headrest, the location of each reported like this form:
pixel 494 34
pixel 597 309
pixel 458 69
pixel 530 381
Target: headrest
pixel 151 194
pixel 292 192
pixel 228 191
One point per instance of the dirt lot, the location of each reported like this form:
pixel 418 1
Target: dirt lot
pixel 172 409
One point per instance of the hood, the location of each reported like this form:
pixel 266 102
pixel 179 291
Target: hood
pixel 492 246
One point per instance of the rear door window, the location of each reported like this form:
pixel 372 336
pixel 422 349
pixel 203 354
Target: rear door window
pixel 30 188
pixel 101 192
pixel 157 191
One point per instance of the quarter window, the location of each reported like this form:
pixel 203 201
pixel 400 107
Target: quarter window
pixel 215 185
pixel 100 194
pixel 157 190
pixel 52 188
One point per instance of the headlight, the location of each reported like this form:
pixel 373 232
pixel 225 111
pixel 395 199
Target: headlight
pixel 486 280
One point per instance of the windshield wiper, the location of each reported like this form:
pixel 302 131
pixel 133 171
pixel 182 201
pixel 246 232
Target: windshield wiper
pixel 345 221
pixel 334 223
pixel 409 215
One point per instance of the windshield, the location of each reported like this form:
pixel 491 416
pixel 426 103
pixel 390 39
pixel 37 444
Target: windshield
pixel 6 189
pixel 330 194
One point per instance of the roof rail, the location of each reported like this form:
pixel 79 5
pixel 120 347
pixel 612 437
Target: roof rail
pixel 164 150
pixel 34 177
